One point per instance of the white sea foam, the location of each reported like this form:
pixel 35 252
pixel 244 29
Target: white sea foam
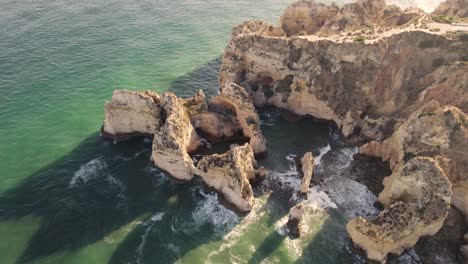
pixel 322 151
pixel 88 171
pixel 209 210
pixel 411 257
pixel 149 223
pixel 235 234
pixel 353 197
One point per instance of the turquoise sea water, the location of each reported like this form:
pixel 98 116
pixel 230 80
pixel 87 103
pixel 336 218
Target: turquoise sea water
pixel 67 196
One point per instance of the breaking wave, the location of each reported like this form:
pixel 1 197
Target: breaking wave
pixel 210 210
pixel 88 171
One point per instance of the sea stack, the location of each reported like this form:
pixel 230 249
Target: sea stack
pixel 307 163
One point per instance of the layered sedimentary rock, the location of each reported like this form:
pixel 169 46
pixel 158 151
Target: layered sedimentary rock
pixel 229 173
pixel 436 132
pixel 307 163
pixel 132 113
pixel 453 8
pixel 236 98
pixel 175 139
pixel 365 88
pixel 416 199
pixel 309 17
pixel 306 17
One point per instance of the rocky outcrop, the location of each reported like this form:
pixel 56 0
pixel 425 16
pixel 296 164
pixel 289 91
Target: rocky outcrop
pixel 306 17
pixel 453 8
pixel 216 127
pixel 309 17
pixel 366 89
pixel 307 163
pixel 229 173
pixel 436 132
pixel 132 113
pixel 235 97
pixel 257 27
pixel 416 199
pixel 175 139
pixel 294 223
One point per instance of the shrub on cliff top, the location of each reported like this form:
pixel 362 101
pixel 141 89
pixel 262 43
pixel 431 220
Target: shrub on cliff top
pixel 359 39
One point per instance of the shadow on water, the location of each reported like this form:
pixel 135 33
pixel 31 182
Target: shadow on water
pixel 100 187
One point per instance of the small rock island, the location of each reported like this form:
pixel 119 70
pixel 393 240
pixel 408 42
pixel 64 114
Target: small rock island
pixel 393 81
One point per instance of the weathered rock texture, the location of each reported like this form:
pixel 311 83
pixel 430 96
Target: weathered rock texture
pixel 366 89
pixel 175 139
pixel 229 173
pixel 132 113
pixel 453 8
pixel 236 98
pixel 416 199
pixel 436 132
pixel 307 163
pixel 309 17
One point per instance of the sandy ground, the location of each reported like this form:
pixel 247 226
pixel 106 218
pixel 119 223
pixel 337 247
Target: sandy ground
pixel 378 33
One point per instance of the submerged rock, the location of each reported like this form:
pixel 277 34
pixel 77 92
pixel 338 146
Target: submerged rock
pixel 307 163
pixel 294 223
pixel 132 113
pixel 229 173
pixel 416 199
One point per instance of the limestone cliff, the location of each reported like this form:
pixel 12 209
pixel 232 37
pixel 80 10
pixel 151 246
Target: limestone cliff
pixel 236 98
pixel 130 113
pixel 416 199
pixel 309 17
pixel 175 139
pixel 432 131
pixel 229 173
pixel 365 87
pixel 453 8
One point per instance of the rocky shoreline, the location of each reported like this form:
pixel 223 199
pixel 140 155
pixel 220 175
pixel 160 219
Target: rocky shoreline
pixel 386 77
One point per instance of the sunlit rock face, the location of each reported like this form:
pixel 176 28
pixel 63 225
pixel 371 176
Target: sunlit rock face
pixel 309 17
pixel 306 17
pixel 307 165
pixel 452 8
pixel 367 89
pixel 436 132
pixel 416 199
pixel 229 173
pixel 130 113
pixel 236 97
pixel 175 139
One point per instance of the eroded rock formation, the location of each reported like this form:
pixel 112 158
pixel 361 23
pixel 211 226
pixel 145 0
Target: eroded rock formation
pixel 309 17
pixel 175 140
pixel 235 97
pixel 382 74
pixel 130 113
pixel 453 8
pixel 436 132
pixel 229 173
pixel 367 89
pixel 307 163
pixel 416 199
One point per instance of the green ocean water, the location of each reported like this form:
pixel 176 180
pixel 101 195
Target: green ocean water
pixel 67 196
